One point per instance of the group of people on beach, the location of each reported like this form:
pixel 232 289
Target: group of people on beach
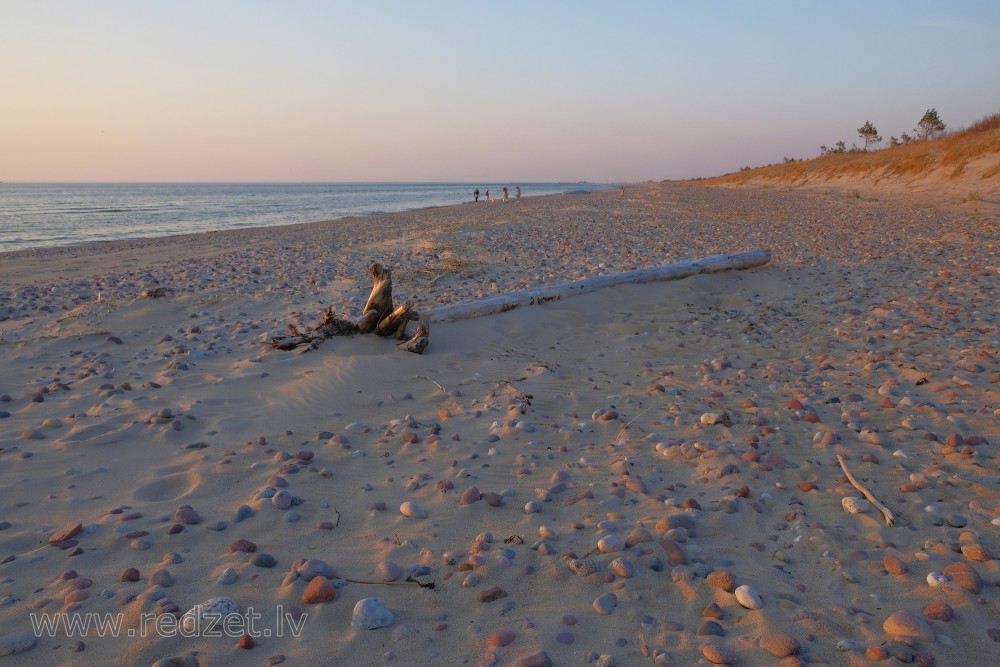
pixel 517 195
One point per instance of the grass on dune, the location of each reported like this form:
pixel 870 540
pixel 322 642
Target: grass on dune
pixel 950 154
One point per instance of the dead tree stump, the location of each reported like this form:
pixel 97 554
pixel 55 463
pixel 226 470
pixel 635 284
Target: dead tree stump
pixel 378 317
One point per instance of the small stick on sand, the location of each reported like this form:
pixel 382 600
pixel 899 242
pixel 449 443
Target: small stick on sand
pixel 410 581
pixel 890 519
pixel 424 377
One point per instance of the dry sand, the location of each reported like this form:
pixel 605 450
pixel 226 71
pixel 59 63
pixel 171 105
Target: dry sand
pixel 590 479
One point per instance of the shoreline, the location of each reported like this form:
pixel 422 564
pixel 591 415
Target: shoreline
pixel 268 226
pixel 593 480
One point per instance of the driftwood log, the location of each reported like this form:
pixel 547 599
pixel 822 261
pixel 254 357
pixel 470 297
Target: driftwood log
pixel 381 318
pixel 501 303
pixel 378 317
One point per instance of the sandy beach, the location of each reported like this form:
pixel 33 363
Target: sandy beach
pixel 644 475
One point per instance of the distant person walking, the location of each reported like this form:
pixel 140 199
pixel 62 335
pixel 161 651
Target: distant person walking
pixel 475 195
pixel 488 196
pixel 621 192
pixel 505 194
pixel 517 193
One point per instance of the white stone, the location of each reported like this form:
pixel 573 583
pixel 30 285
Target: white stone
pixel 855 505
pixel 748 597
pixel 371 614
pixel 609 544
pixel 412 510
pixel 936 579
pixel 208 615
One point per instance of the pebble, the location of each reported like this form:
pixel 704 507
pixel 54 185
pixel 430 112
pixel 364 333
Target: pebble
pixel 748 597
pixel 719 654
pixel 200 616
pixel 540 659
pixel 469 496
pixel 492 594
pixel 855 505
pixel 501 638
pixel 710 628
pixel 622 567
pixel 894 565
pixel 161 577
pixel 412 510
pixel 67 532
pixel 936 579
pixel 371 614
pixel 320 589
pixel 583 567
pixel 721 579
pixel 242 546
pixel 606 603
pixel 977 553
pixel 17 642
pixel 610 544
pixel 314 567
pixel 282 499
pixel 263 560
pixel 186 514
pixel 779 644
pixel 965 576
pixel 905 623
pixel 939 611
pixel 227 577
pixel 388 571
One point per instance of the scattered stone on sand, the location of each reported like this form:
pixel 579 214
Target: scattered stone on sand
pixel 748 597
pixel 371 614
pixel 965 576
pixel 412 510
pixel 16 642
pixel 779 644
pixel 320 589
pixel 718 654
pixel 855 505
pixel 207 614
pixel 67 532
pixel 905 623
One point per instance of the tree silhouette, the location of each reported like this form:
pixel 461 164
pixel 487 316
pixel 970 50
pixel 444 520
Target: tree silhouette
pixel 869 134
pixel 929 125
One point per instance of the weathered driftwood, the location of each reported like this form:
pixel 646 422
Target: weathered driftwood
pixel 329 327
pixel 418 342
pixel 394 324
pixel 504 302
pixel 381 318
pixel 890 518
pixel 379 302
pixel 378 317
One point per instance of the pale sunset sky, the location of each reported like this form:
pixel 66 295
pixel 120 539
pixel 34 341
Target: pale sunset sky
pixel 624 91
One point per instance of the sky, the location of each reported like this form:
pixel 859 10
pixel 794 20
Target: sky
pixel 542 90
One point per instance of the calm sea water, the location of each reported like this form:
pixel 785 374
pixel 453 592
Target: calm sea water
pixel 34 215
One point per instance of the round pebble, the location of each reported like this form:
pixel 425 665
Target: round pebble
pixel 412 510
pixel 748 597
pixel 371 614
pixel 606 603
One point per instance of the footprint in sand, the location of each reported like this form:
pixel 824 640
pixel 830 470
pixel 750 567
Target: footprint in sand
pixel 168 487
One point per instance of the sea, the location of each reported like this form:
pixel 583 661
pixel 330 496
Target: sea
pixel 38 215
